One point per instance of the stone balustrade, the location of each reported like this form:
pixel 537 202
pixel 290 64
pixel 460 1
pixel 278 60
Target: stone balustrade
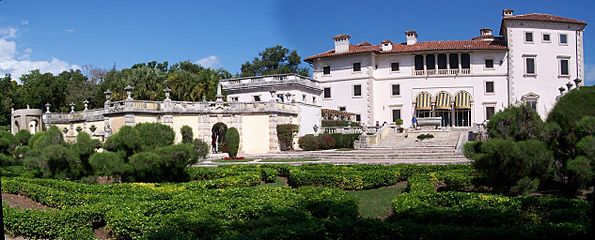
pixel 253 82
pixel 171 107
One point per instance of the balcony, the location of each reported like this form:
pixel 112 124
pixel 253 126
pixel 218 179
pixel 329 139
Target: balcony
pixel 452 72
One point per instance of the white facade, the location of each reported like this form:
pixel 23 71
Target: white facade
pixel 363 80
pixel 287 88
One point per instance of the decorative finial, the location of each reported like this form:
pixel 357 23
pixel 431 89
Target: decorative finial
pixel 561 89
pixel 72 107
pixel 86 104
pixel 128 90
pixel 577 82
pixel 167 91
pixel 569 85
pixel 108 95
pixel 47 107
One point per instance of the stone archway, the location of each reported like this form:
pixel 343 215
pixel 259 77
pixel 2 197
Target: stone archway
pixel 218 137
pixel 33 124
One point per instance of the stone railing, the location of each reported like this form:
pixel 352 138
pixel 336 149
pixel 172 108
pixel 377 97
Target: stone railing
pixel 456 71
pixel 369 140
pixel 343 130
pixel 171 107
pixel 250 82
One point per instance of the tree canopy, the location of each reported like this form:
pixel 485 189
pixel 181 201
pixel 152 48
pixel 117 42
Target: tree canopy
pixel 274 60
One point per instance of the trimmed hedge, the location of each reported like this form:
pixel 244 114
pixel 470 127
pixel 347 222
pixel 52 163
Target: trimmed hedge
pixel 232 138
pixel 285 134
pixel 310 142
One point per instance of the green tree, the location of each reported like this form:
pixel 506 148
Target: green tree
pixel 109 164
pixel 187 134
pixel 274 60
pixel 232 138
pixel 518 123
pixel 23 136
pixel 127 140
pixel 8 88
pixel 154 135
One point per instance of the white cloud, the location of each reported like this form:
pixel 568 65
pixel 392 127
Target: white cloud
pixel 24 22
pixel 589 74
pixel 69 30
pixel 17 63
pixel 209 62
pixel 8 32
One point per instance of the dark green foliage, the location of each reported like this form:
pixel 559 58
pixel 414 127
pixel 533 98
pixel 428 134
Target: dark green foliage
pixel 309 142
pixel 58 161
pixel 472 148
pixel 7 142
pixel 145 167
pixel 20 151
pixel 399 122
pixel 109 164
pixel 35 138
pixel 201 148
pixel 23 137
pixel 326 141
pixel 285 134
pixel 422 137
pixel 232 138
pixel 503 162
pixel 337 123
pixel 274 60
pixel 165 164
pixel 52 136
pixel 344 140
pixel 580 171
pixel 187 134
pixel 154 135
pixel 7 160
pixel 127 139
pixel 518 123
pixel 84 147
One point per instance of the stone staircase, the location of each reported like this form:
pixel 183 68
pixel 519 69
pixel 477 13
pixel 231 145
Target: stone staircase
pixel 402 148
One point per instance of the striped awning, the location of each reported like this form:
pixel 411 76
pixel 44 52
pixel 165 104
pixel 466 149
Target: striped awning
pixel 443 101
pixel 463 100
pixel 423 101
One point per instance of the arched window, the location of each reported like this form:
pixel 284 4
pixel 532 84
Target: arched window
pixel 443 108
pixel 423 105
pixel 462 107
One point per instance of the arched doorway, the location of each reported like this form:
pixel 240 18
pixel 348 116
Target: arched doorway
pixel 443 108
pixel 33 126
pixel 218 137
pixel 423 105
pixel 462 109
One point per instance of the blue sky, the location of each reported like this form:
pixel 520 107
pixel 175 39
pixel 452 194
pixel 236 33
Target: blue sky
pixel 57 35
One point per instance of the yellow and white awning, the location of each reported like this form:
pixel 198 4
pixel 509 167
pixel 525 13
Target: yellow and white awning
pixel 463 100
pixel 423 101
pixel 443 101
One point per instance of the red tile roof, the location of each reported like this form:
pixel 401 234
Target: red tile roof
pixel 365 47
pixel 543 17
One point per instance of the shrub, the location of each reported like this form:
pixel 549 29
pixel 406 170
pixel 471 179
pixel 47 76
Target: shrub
pixel 145 167
pixel 7 160
pixel 285 134
pixel 399 122
pixel 154 135
pixel 337 123
pixel 127 139
pixel 84 147
pixel 232 138
pixel 34 138
pixel 518 123
pixel 187 134
pixel 326 141
pixel 23 136
pixel 503 162
pixel 109 164
pixel 58 161
pixel 20 151
pixel 309 142
pixel 422 137
pixel 344 140
pixel 7 142
pixel 52 136
pixel 201 148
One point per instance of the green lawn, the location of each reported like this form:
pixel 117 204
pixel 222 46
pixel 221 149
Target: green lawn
pixel 290 160
pixel 232 161
pixel 376 203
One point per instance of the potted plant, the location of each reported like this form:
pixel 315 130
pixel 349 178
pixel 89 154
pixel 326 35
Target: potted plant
pixel 399 123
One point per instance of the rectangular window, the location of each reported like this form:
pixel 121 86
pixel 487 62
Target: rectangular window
pixel 563 39
pixel 357 90
pixel 453 60
pixel 357 67
pixel 430 62
pixel 327 92
pixel 257 98
pixel 529 37
pixel 313 100
pixel 564 67
pixel 394 67
pixel 419 62
pixel 342 109
pixel 441 61
pixel 465 61
pixel 530 65
pixel 358 118
pixel 546 37
pixel 532 104
pixel 396 90
pixel 490 111
pixel 489 87
pixel 396 114
pixel 489 63
pixel 326 70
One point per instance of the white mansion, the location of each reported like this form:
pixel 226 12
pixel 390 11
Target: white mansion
pixel 535 59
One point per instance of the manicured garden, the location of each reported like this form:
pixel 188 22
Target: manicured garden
pixel 242 202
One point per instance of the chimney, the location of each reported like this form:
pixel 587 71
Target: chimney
pixel 485 32
pixel 411 37
pixel 387 45
pixel 341 43
pixel 507 12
